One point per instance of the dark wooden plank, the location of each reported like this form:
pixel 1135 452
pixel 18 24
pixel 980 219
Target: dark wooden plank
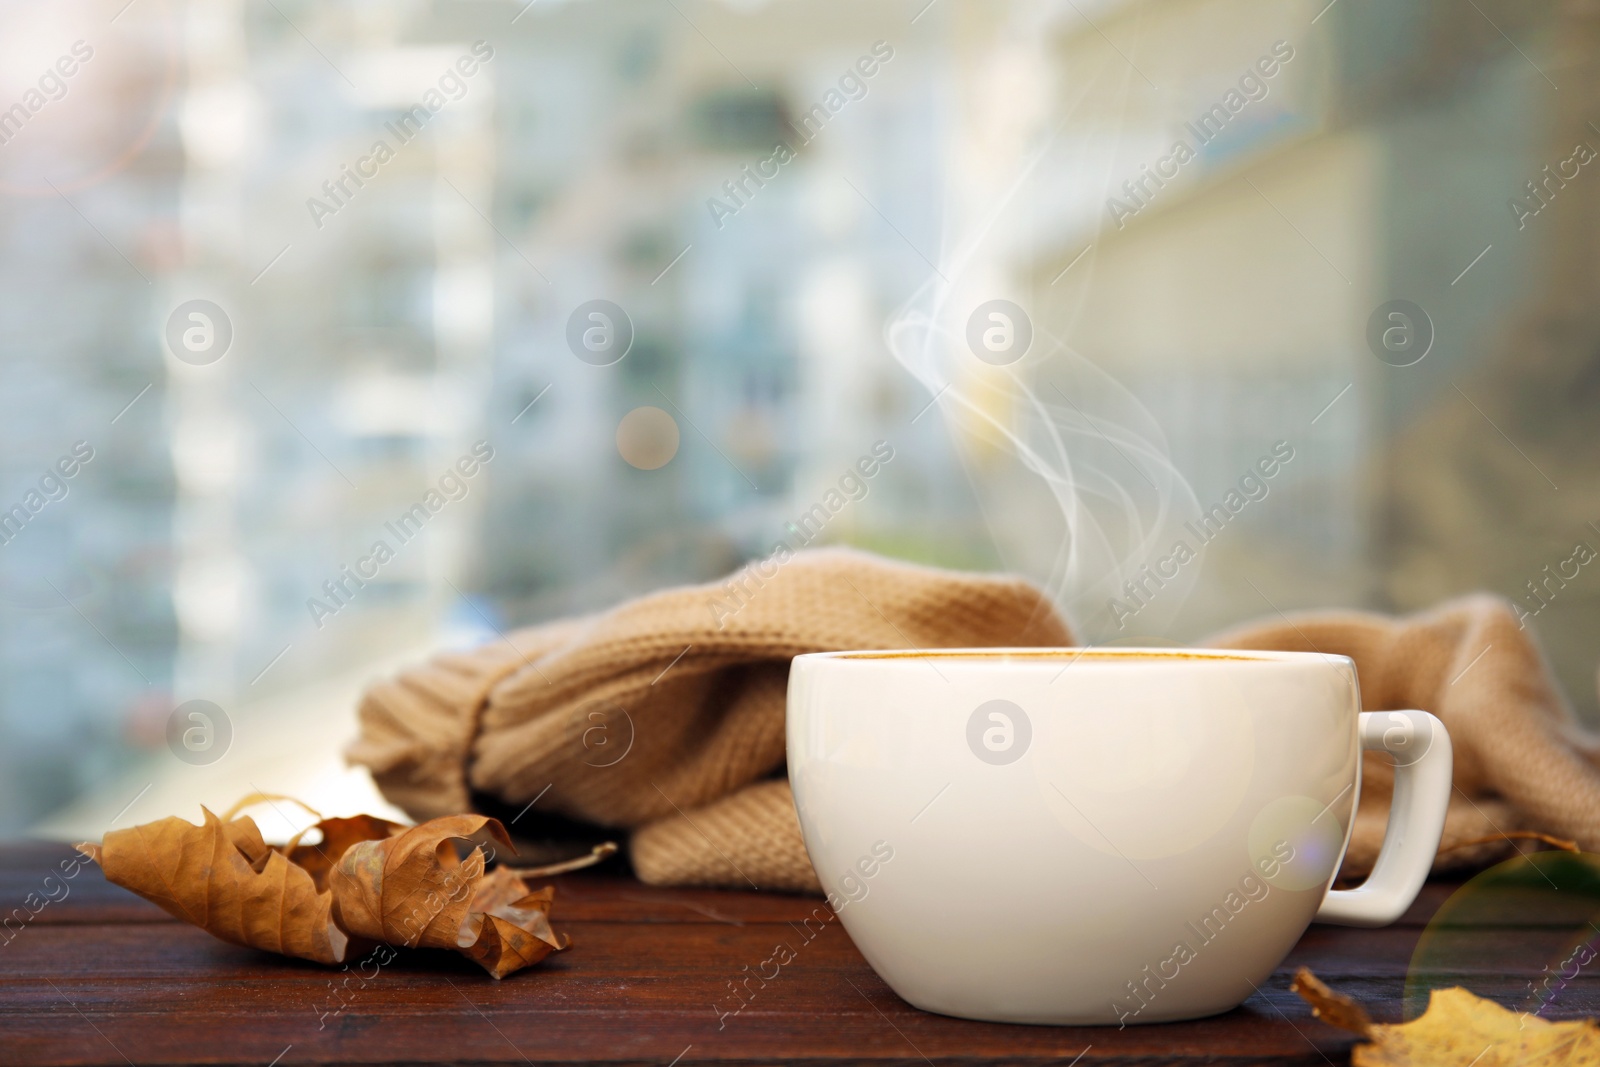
pixel 39 879
pixel 482 1022
pixel 24 870
pixel 626 993
pixel 693 961
pixel 568 1012
pixel 861 1037
pixel 94 979
pixel 706 953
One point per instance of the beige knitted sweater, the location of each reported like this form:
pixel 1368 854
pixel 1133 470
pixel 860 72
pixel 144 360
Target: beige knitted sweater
pixel 664 716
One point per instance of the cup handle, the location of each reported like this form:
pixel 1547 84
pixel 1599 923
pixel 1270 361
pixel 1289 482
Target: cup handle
pixel 1423 759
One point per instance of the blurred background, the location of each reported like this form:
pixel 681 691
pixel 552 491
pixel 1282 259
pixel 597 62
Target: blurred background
pixel 273 338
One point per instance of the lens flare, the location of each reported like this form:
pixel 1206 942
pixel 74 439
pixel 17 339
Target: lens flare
pixel 1548 905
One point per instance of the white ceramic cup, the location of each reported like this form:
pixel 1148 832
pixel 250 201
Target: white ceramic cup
pixel 1097 836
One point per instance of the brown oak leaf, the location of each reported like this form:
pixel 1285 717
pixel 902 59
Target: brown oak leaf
pixel 222 877
pixel 1458 1030
pixel 367 880
pixel 338 834
pixel 413 890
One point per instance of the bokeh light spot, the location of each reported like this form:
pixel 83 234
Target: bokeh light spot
pixel 647 438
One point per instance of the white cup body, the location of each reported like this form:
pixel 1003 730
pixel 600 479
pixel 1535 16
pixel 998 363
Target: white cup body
pixel 1141 835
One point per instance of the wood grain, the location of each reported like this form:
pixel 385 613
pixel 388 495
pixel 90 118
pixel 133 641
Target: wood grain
pixel 100 977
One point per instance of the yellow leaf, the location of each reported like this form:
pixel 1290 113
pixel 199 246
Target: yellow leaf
pixel 1459 1029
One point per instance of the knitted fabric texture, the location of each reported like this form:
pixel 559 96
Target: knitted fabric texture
pixel 1521 760
pixel 694 680
pixel 665 715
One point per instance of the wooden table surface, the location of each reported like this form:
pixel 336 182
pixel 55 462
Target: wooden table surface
pixel 102 977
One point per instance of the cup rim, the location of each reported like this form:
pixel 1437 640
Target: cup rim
pixel 1071 654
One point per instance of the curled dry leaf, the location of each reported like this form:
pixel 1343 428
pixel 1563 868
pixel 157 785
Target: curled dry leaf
pixel 337 837
pixel 1458 1030
pixel 222 877
pixel 368 880
pixel 1335 1009
pixel 412 890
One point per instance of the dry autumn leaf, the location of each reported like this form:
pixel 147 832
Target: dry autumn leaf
pixel 368 880
pixel 1458 1030
pixel 222 877
pixel 412 890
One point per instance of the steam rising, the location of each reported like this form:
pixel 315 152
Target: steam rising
pixel 1094 448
